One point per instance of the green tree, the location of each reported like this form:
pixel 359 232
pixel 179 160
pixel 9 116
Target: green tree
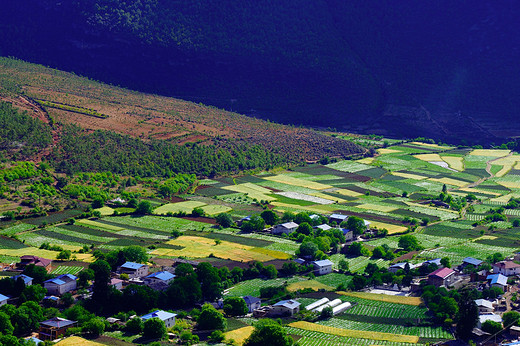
pixel 256 223
pixel 304 228
pixel 210 319
pixel 64 255
pixel 144 208
pixel 135 253
pixel 85 276
pixel 343 265
pixel 468 313
pixel 270 271
pixel 224 219
pixel 154 328
pixel 94 327
pixel 326 313
pixel 34 293
pixel 268 332
pixel 6 327
pixel 235 306
pixel 269 217
pixel 308 248
pixel 197 212
pixel 355 224
pixel 491 327
pixel 134 325
pixel 408 242
pixel 209 280
pixel 511 318
pixel 101 290
pixel 445 261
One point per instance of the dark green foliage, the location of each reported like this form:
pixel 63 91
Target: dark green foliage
pixel 357 249
pixel 39 274
pixel 183 292
pixel 268 332
pixel 326 313
pixel 235 306
pixel 94 327
pixel 108 151
pixel 468 313
pixel 209 280
pixel 135 325
pixel 224 219
pixel 196 212
pixel 139 298
pixel 256 223
pixel 309 249
pixel 269 217
pixel 144 208
pixel 154 328
pixel 355 224
pixel 19 128
pixel 210 318
pixel 511 318
pixel 34 293
pixel 409 242
pixel 491 327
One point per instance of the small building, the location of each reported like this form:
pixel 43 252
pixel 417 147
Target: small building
pixel 338 218
pixel 507 268
pixel 287 227
pixel 54 328
pixel 322 267
pixel 436 261
pixel 484 306
pixel 488 317
pixel 470 261
pixel 442 277
pixel 159 280
pixel 323 227
pixel 3 299
pixel 394 268
pixel 27 280
pixel 61 284
pixel 167 317
pixel 37 261
pixel 286 308
pixel 300 261
pixel 515 331
pixel 497 280
pixel 116 283
pixel 349 235
pixel 134 270
pixel 252 303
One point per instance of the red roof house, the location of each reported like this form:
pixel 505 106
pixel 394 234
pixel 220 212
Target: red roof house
pixel 37 261
pixel 442 277
pixel 507 268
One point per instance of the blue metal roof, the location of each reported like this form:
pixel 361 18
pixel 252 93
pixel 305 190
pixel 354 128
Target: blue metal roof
pixel 290 304
pixel 164 275
pixel 497 279
pixel 436 261
pixel 132 265
pixel 251 300
pixel 62 279
pixel 323 263
pixel 56 281
pixel 471 260
pixel 2 297
pixel 24 277
pixel 161 314
pixel 338 216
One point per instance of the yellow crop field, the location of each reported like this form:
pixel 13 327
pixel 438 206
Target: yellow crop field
pixel 200 247
pixel 285 179
pixel 366 160
pixel 77 341
pixel 252 190
pixel 273 253
pixel 348 192
pixel 392 229
pixel 383 208
pixel 455 162
pixel 384 151
pixel 105 210
pixel 433 146
pixel 360 334
pixel 99 225
pixel 507 164
pixel 428 157
pixel 502 199
pixel 473 190
pixel 415 301
pixel 312 284
pixel 409 175
pixel 450 181
pixel 186 206
pixel 489 152
pixel 510 184
pixel 240 335
pixel 214 209
pixel 42 253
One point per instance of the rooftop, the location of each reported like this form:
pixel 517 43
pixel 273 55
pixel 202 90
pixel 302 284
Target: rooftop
pixel 2 297
pixel 62 279
pixel 24 277
pixel 251 300
pixel 161 314
pixel 57 322
pixel 323 263
pixel 497 279
pixel 338 216
pixel 164 276
pixel 290 304
pixel 484 303
pixel 442 273
pixel 506 265
pixel 471 260
pixel 324 227
pixel 132 265
pixel 288 225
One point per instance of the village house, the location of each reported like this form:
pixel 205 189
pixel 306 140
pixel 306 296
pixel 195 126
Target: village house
pixel 37 261
pixel 3 299
pixel 116 283
pixel 484 306
pixel 285 308
pixel 337 218
pixel 286 228
pixel 159 280
pixel 488 317
pixel 394 268
pixel 442 277
pixel 134 270
pixel 167 317
pixel 436 261
pixel 507 268
pixel 54 328
pixel 470 261
pixel 61 284
pixel 497 280
pixel 252 303
pixel 322 267
pixel 349 235
pixel 26 279
pixel 323 227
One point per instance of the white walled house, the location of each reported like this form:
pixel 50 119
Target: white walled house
pixel 252 303
pixel 159 279
pixel 27 280
pixel 322 267
pixel 286 228
pixel 61 284
pixel 167 317
pixel 286 308
pixel 134 270
pixel 507 268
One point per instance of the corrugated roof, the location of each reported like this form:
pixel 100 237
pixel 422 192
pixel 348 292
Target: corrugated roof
pixel 324 227
pixel 2 297
pixel 497 279
pixel 164 275
pixel 251 300
pixel 338 216
pixel 323 263
pixel 57 322
pixel 485 303
pixel 24 277
pixel 161 314
pixel 290 304
pixel 289 225
pixel 506 265
pixel 443 273
pixel 132 265
pixel 471 260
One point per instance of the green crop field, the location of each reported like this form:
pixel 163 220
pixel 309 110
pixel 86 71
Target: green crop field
pixel 252 287
pixel 67 270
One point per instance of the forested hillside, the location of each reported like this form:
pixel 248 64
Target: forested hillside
pixel 367 66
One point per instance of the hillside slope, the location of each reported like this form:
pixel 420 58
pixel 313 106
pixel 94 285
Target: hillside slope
pixel 157 121
pixel 411 68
